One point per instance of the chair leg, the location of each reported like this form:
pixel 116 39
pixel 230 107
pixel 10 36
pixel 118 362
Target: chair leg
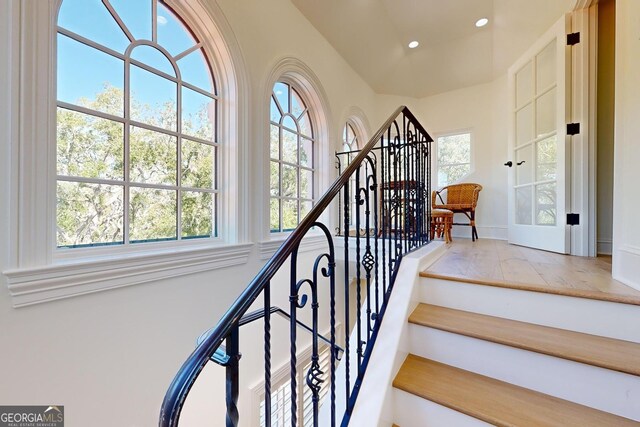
pixel 474 232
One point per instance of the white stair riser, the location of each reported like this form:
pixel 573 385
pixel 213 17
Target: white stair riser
pixel 598 388
pixel 414 411
pixel 589 316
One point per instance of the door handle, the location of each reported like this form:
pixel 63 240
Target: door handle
pixel 509 163
pixel 519 163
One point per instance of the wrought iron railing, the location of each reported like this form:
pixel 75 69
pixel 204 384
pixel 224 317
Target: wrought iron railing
pixel 388 181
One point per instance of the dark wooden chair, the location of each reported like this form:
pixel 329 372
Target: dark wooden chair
pixel 459 198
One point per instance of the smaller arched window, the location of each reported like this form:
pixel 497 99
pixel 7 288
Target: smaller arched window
pixel 350 143
pixel 137 139
pixel 292 163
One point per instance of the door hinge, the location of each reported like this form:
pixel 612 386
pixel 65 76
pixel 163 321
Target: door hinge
pixel 573 219
pixel 573 38
pixel 573 128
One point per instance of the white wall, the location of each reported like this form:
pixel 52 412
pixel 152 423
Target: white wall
pixel 626 196
pixel 482 109
pixel 121 348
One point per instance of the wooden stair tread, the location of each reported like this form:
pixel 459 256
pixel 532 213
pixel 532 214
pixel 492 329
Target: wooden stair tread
pixel 548 289
pixel 609 353
pixel 494 401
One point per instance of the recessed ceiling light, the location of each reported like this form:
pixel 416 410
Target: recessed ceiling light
pixel 413 44
pixel 482 22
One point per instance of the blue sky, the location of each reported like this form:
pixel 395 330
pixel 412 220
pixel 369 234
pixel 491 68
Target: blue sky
pixel 83 71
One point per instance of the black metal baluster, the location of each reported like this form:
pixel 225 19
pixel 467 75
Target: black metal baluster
pixel 233 376
pixel 367 259
pixel 346 299
pixel 359 203
pixel 267 354
pixel 293 310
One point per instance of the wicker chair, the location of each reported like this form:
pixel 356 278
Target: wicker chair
pixel 460 198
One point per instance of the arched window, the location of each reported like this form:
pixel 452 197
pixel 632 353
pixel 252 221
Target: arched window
pixel 137 134
pixel 292 161
pixel 350 143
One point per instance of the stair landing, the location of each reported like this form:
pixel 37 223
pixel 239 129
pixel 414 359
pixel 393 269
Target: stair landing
pixel 497 263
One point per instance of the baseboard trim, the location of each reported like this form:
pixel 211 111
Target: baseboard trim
pixel 496 232
pixel 626 265
pixel 605 247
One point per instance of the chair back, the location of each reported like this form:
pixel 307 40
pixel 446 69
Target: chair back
pixel 465 194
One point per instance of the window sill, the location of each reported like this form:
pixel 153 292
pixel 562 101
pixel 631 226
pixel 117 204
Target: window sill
pixel 310 242
pixel 36 285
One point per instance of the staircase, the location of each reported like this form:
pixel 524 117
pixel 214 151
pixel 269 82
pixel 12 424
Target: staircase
pixel 485 353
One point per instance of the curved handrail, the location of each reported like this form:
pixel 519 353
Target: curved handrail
pixel 191 368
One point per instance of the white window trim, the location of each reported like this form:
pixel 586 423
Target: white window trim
pixel 283 372
pixel 435 163
pixel 36 267
pixel 297 74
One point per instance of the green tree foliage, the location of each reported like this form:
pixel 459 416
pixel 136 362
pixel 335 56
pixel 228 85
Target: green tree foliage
pixel 93 147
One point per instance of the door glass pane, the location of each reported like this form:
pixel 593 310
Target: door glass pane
pixel 524 172
pixel 546 204
pixel 523 205
pixel 546 113
pixel 546 68
pixel 546 163
pixel 524 125
pixel 524 85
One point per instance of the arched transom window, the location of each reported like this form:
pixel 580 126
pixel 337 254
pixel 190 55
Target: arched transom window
pixel 349 138
pixel 350 144
pixel 136 126
pixel 292 158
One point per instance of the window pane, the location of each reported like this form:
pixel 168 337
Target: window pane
pixel 154 58
pixel 289 181
pixel 198 114
pixel 306 184
pixel 524 125
pixel 306 152
pixel 305 208
pixel 89 146
pixel 524 85
pixel 281 92
pixel 153 157
pixel 274 215
pixel 152 214
pixel 546 113
pixel 197 214
pixel 454 149
pixel 153 99
pixel 92 20
pixel 546 204
pixel 451 174
pixel 89 214
pixel 546 68
pixel 523 205
pixel 198 164
pixel 289 146
pixel 297 104
pixel 194 69
pixel 289 214
pixel 136 15
pixel 172 35
pixel 90 77
pixel 547 158
pixel 305 125
pixel 275 179
pixel 275 111
pixel 289 123
pixel 524 172
pixel 274 142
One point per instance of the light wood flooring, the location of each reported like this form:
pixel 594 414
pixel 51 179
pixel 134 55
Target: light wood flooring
pixel 496 260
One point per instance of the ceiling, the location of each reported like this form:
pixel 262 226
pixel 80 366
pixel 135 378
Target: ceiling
pixel 372 35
